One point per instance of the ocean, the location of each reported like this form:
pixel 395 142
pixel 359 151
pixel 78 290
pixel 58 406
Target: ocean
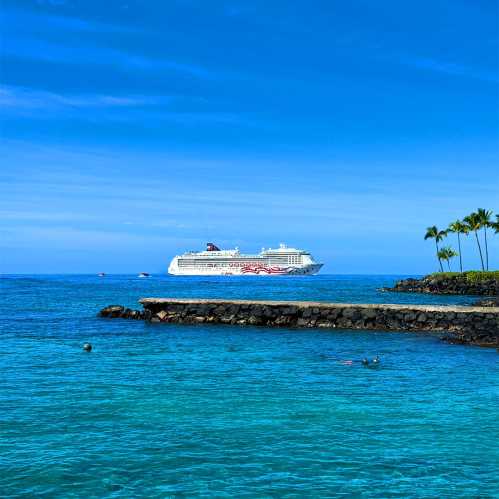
pixel 162 410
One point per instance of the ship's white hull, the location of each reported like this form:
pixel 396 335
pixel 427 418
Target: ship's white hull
pixel 249 270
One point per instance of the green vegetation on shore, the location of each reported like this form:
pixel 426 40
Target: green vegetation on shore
pixel 469 275
pixel 476 222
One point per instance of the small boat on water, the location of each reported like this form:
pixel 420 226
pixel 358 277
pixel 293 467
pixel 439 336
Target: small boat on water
pixel 144 274
pixel 101 274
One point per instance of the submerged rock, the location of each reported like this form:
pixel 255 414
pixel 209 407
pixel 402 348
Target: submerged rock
pixel 488 302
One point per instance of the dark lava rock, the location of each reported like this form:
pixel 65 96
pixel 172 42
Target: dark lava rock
pixel 488 302
pixel 447 285
pixel 118 311
pixel 112 311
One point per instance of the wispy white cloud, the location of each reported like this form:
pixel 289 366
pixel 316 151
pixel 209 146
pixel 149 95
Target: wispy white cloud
pixel 57 217
pixel 20 18
pixel 29 99
pixel 53 3
pixel 35 49
pixel 449 68
pixel 237 10
pixel 141 204
pixel 78 238
pixel 147 110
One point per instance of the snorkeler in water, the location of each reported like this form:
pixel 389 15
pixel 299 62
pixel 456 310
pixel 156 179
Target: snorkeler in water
pixel 365 362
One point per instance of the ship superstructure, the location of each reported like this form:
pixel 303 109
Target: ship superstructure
pixel 216 261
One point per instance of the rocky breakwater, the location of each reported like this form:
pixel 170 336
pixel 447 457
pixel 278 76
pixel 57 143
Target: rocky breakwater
pixel 470 325
pixel 468 283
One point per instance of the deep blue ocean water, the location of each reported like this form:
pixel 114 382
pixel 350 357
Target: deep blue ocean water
pixel 226 411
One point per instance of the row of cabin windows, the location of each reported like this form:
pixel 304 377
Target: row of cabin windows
pixel 198 261
pixel 272 259
pixel 212 264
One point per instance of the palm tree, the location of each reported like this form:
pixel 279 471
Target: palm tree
pixel 447 253
pixel 450 255
pixel 484 217
pixel 459 228
pixel 473 222
pixel 438 235
pixel 495 225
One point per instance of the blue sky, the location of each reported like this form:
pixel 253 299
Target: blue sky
pixel 133 131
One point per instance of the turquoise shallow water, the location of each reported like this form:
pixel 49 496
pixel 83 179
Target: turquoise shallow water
pixel 182 411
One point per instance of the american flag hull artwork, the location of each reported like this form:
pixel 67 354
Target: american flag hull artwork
pixel 270 262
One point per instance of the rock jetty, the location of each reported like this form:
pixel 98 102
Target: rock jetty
pixel 469 325
pixel 453 284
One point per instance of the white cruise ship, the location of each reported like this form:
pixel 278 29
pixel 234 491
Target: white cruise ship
pixel 214 261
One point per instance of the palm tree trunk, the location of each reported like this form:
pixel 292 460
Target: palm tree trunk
pixel 479 248
pixel 448 263
pixel 486 249
pixel 460 257
pixel 439 261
